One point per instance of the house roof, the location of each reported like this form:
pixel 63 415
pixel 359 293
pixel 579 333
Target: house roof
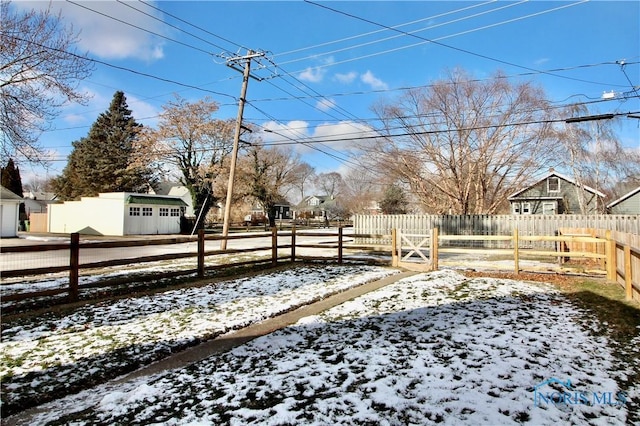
pixel 624 197
pixel 5 194
pixel 563 177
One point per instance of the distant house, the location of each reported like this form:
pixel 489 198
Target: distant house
pixel 282 210
pixel 9 212
pixel 314 206
pixel 38 201
pixel 118 213
pixel 556 194
pixel 627 204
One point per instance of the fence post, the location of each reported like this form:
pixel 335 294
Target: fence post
pixel 274 246
pixel 516 251
pixel 434 249
pixel 339 245
pixel 394 247
pixel 610 253
pixel 74 265
pixel 628 286
pixel 293 243
pixel 200 253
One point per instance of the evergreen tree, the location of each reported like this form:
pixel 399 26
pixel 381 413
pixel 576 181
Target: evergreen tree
pixel 11 178
pixel 393 200
pixel 103 161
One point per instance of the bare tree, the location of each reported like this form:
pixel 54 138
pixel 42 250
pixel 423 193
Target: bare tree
pixel 463 145
pixel 39 73
pixel 597 158
pixel 330 184
pixel 267 174
pixel 360 191
pixel 303 174
pixel 190 141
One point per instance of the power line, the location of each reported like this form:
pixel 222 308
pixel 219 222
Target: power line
pixel 414 31
pixel 138 27
pixel 404 88
pixel 171 25
pixel 194 26
pixel 426 40
pixel 97 61
pixel 429 132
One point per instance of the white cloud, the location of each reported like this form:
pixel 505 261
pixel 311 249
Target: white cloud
pixel 346 78
pixel 342 136
pixel 312 74
pixel 74 119
pixel 373 81
pixel 292 131
pixel 106 37
pixel 326 104
pixel 141 109
pixel 316 74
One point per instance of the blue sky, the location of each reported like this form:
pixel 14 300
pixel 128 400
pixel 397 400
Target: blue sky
pixel 332 67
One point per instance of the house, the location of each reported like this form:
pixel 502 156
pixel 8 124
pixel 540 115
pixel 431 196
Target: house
pixel 314 206
pixel 9 213
pixel 556 194
pixel 282 210
pixel 627 204
pixel 118 213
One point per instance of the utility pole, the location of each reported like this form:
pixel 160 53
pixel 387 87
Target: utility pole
pixel 246 73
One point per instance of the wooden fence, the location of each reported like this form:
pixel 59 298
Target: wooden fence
pixel 74 247
pixel 493 225
pixel 618 252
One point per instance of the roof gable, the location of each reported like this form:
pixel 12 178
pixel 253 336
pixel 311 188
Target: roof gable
pixel 5 194
pixel 560 176
pixel 624 197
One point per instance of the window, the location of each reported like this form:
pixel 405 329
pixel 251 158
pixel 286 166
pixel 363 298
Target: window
pixel 553 184
pixel 526 208
pixel 175 212
pixel 515 208
pixel 314 202
pixel 164 211
pixel 147 211
pixel 134 211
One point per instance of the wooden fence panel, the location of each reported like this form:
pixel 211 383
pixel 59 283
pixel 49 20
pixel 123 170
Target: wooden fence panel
pixel 38 222
pixel 493 224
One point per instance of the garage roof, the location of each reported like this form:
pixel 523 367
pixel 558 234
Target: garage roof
pixel 155 200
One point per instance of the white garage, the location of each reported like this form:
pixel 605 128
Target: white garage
pixel 9 212
pixel 118 213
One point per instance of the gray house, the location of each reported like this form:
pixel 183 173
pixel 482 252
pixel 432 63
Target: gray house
pixel 627 204
pixel 556 194
pixel 314 206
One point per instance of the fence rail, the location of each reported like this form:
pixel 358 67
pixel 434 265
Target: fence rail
pixel 617 252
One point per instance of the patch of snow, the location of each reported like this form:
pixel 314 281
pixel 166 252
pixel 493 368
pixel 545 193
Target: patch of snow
pixel 433 348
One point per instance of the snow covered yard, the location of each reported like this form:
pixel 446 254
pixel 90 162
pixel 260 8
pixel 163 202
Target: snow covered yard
pixel 436 348
pixel 56 354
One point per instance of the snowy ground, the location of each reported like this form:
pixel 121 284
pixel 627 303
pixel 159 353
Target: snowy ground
pixel 433 348
pixel 53 354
